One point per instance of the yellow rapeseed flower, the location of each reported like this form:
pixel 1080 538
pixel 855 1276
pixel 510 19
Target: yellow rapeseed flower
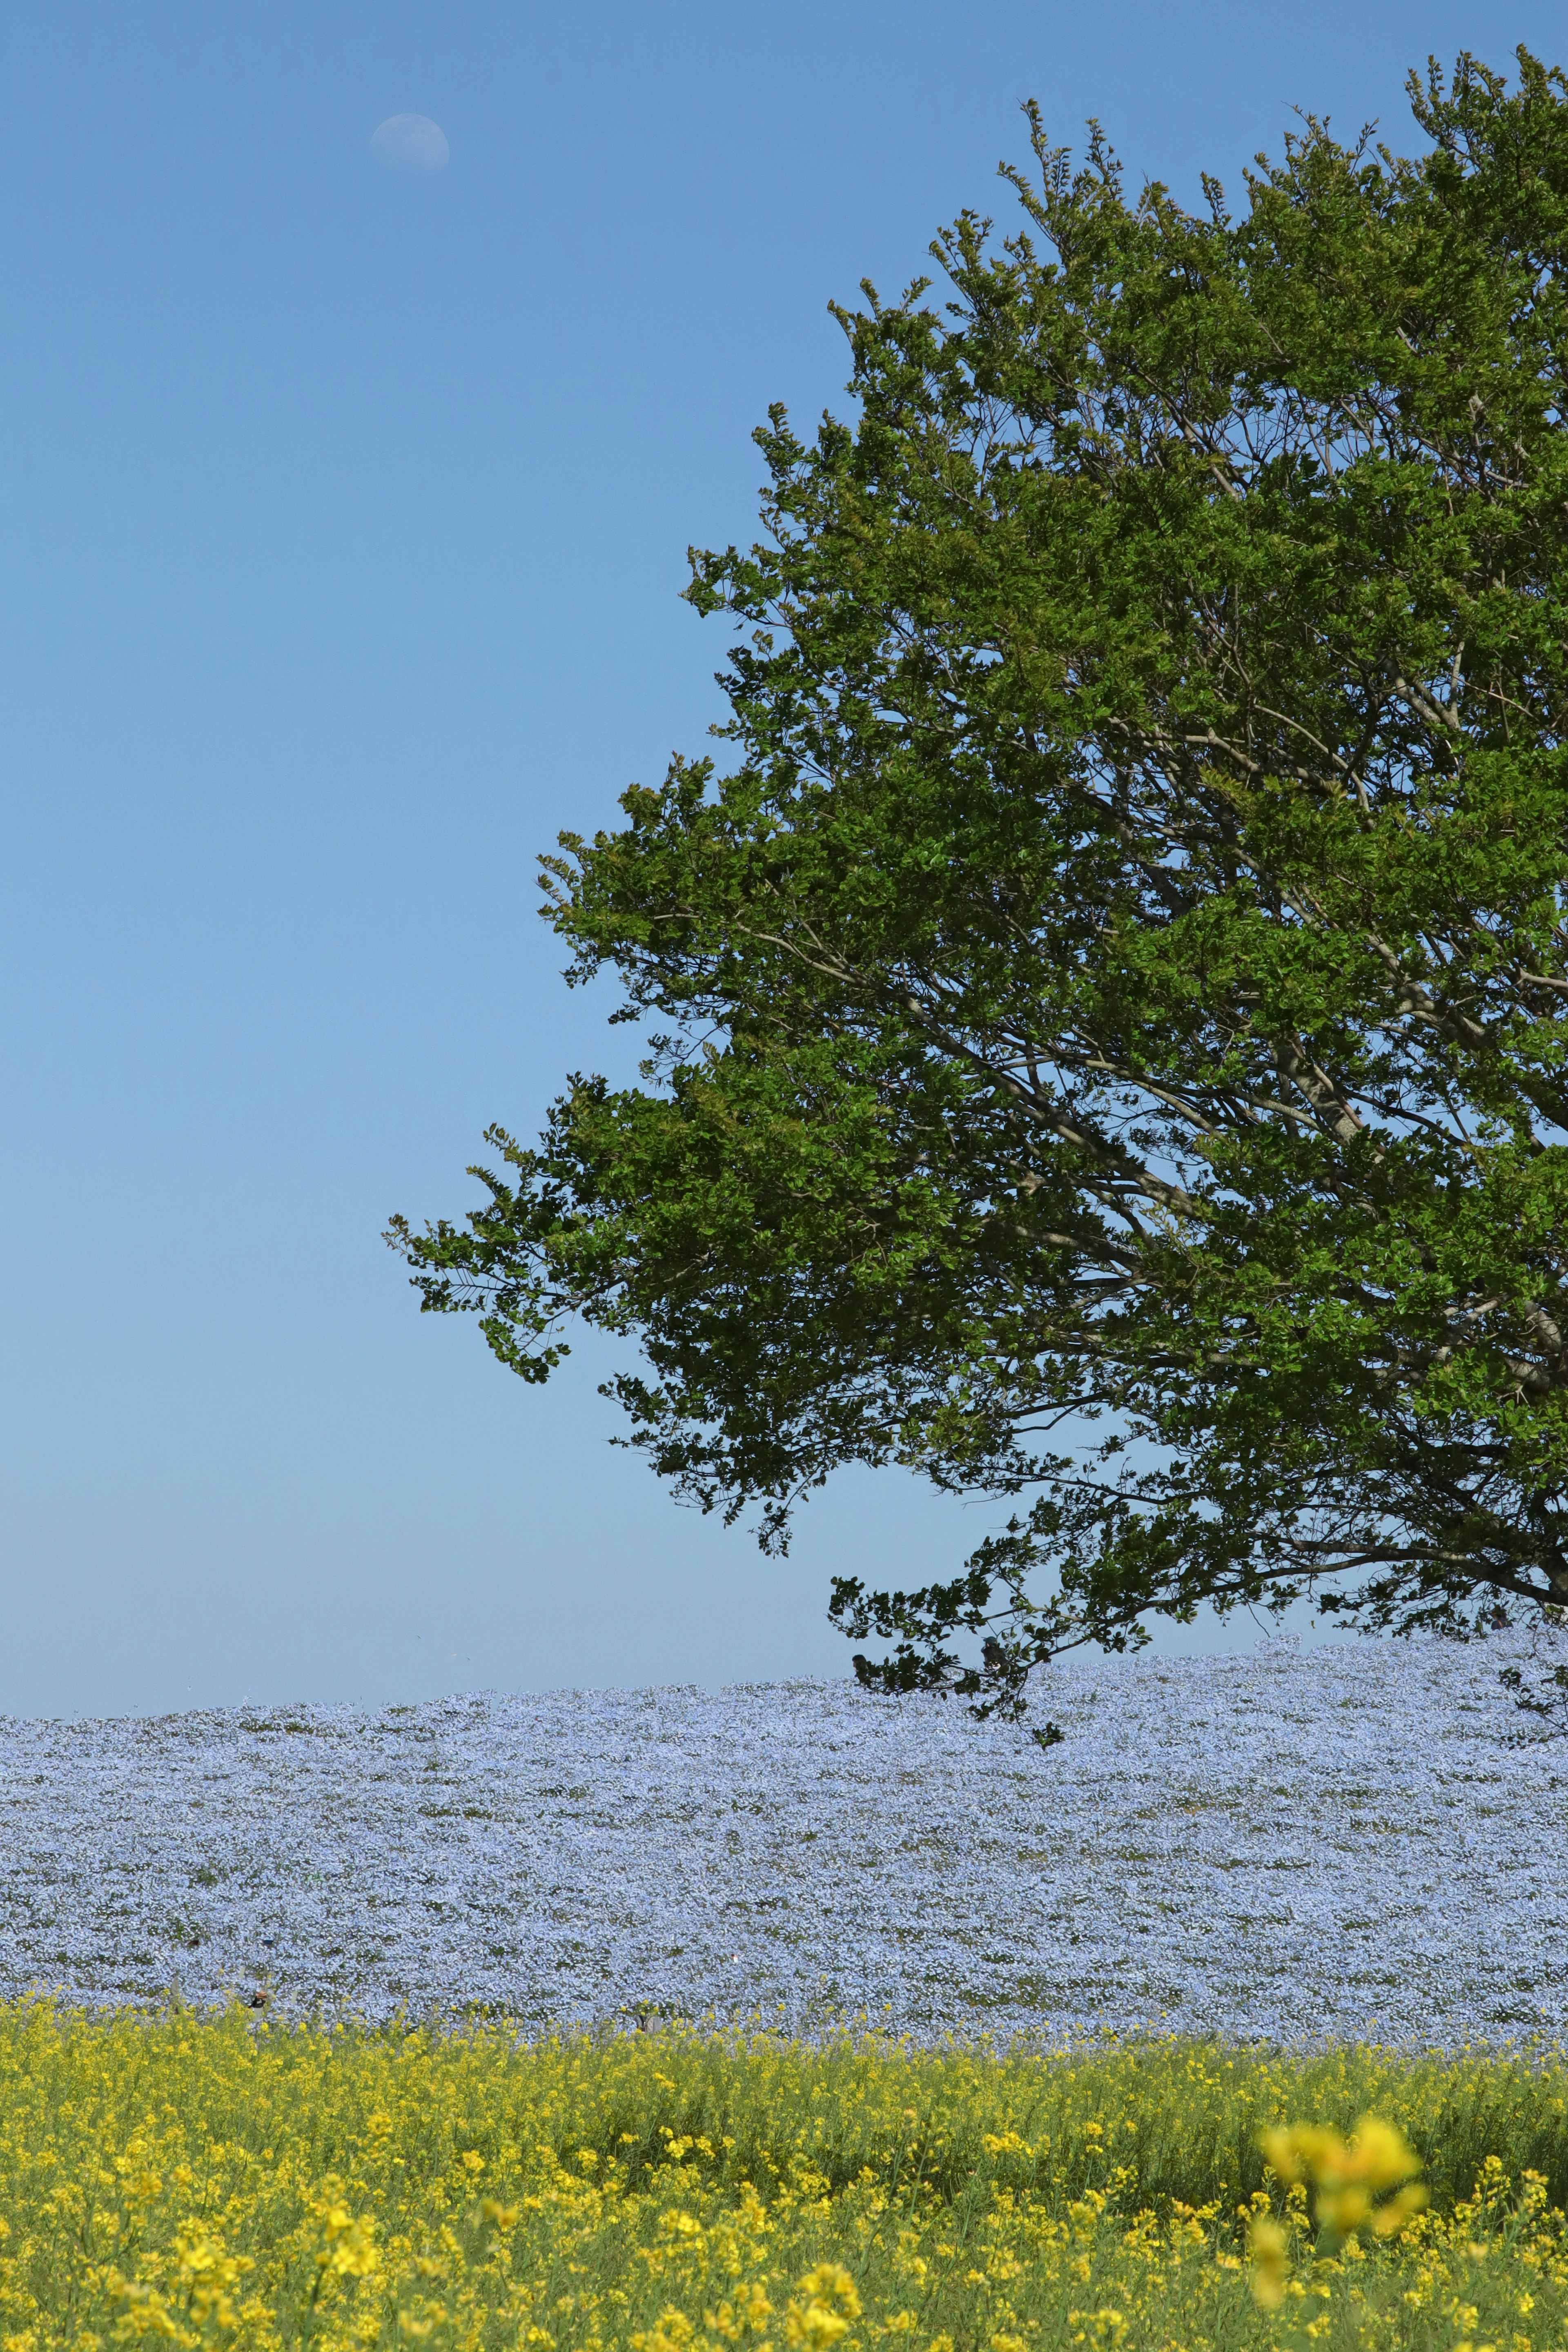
pixel 241 2182
pixel 1348 2175
pixel 1270 2250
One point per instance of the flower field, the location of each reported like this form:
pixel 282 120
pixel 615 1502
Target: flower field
pixel 193 2180
pixel 1280 1845
pixel 352 2030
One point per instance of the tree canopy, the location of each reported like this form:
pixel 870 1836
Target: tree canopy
pixel 1106 1007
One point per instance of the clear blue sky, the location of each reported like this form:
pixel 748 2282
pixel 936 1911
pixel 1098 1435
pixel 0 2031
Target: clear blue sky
pixel 344 517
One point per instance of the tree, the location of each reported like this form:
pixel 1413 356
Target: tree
pixel 1107 1039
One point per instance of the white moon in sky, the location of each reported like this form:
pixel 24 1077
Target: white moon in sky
pixel 410 142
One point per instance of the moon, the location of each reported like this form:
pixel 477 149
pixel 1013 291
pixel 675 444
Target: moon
pixel 410 142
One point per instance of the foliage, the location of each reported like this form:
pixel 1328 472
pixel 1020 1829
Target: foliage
pixel 216 2181
pixel 1107 1035
pixel 1540 1690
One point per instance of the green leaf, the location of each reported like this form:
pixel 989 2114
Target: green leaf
pixel 1110 1044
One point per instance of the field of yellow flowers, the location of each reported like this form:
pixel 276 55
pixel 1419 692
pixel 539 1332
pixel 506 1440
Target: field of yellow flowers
pixel 222 2179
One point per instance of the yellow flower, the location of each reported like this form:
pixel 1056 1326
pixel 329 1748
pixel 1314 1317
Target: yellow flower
pixel 1097 2327
pixel 350 2251
pixel 671 2332
pixel 1389 2219
pixel 815 2322
pixel 1349 2176
pixel 1383 2155
pixel 1268 2247
pixel 749 2308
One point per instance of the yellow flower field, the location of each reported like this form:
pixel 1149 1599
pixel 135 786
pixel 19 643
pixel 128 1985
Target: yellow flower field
pixel 223 2180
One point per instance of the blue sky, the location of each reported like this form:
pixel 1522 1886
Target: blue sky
pixel 344 516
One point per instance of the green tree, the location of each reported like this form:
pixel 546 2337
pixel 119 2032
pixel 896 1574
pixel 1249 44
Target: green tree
pixel 1107 1039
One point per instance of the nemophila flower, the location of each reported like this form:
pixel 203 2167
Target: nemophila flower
pixel 1171 1862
